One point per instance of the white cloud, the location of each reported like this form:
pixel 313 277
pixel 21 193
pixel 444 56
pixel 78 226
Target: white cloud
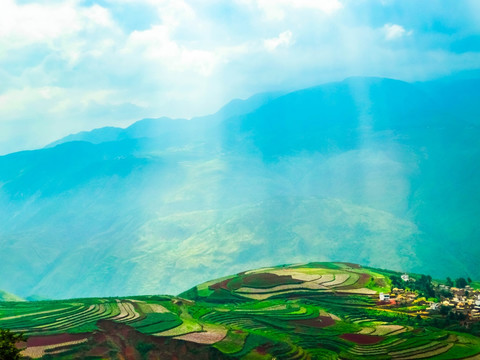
pixel 283 39
pixel 171 12
pixel 53 99
pixel 279 9
pixel 394 31
pixel 159 50
pixel 99 16
pixel 15 100
pixel 154 43
pixel 64 28
pixel 157 47
pixel 32 23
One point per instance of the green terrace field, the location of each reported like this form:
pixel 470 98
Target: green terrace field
pixel 308 311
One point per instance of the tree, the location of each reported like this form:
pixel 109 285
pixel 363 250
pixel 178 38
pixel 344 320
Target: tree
pixel 8 350
pixel 445 310
pixel 449 282
pixel 397 282
pixel 469 280
pixel 424 285
pixel 446 294
pixel 460 283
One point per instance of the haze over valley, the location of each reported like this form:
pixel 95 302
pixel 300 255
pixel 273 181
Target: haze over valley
pixel 369 170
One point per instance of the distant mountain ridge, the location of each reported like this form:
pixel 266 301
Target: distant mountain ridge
pixel 369 170
pixel 4 296
pixel 159 126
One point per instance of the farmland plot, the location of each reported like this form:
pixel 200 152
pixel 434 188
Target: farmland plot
pixel 290 312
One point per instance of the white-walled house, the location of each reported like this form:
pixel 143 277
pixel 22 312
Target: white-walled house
pixel 384 297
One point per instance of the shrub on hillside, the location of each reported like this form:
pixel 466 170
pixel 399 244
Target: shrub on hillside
pixel 461 283
pixel 8 341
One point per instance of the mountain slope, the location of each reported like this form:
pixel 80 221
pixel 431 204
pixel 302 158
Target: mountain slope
pixel 337 117
pixel 196 245
pixel 5 296
pixel 365 169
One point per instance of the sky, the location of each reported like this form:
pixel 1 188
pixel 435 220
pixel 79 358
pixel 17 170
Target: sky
pixel 73 65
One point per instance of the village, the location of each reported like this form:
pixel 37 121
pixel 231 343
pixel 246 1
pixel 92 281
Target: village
pixel 462 303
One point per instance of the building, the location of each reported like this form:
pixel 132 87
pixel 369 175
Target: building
pixel 384 297
pixel 405 277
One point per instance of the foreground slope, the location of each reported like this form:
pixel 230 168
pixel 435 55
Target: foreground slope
pixel 305 311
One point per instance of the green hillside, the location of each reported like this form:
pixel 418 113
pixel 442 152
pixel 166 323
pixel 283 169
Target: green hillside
pixel 303 311
pixel 5 296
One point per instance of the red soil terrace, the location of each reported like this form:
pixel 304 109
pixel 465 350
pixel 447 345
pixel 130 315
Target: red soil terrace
pixel 54 339
pixel 319 322
pixel 362 339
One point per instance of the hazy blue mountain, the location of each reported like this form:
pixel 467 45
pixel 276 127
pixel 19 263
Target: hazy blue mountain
pixel 367 170
pixel 457 95
pixel 340 116
pixel 95 136
pixel 166 127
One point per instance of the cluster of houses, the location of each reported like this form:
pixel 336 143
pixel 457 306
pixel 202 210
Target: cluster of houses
pixel 399 296
pixel 464 301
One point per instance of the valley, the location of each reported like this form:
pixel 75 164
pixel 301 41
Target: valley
pixel 368 170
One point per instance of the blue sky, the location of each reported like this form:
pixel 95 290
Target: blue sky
pixel 73 65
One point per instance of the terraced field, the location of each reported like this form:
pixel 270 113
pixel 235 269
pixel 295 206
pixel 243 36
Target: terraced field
pixel 309 311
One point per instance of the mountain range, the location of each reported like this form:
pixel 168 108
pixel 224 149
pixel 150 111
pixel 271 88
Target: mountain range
pixel 368 170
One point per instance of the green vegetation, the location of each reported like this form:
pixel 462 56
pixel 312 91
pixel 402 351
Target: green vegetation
pixel 424 286
pixel 461 283
pixel 313 311
pixel 8 341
